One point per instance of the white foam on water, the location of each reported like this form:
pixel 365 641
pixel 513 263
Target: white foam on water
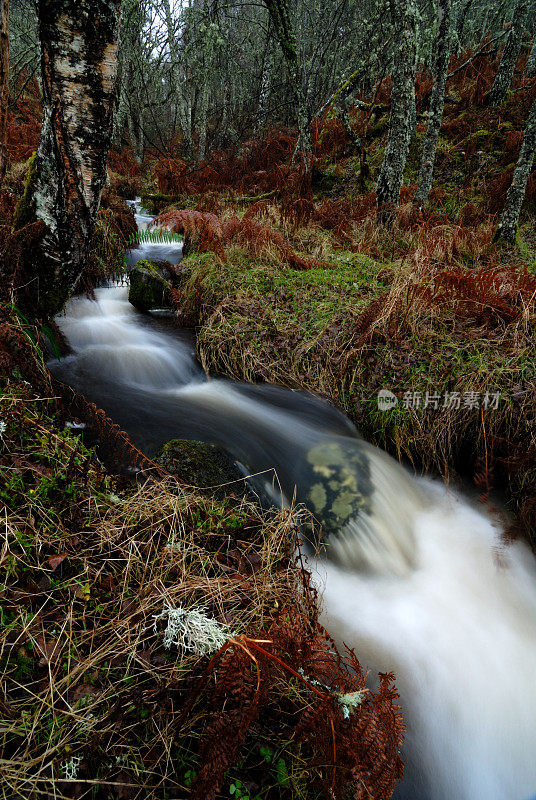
pixel 459 632
pixel 105 334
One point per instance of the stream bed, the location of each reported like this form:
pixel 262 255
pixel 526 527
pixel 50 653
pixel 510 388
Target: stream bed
pixel 417 579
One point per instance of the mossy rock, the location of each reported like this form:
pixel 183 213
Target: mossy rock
pixel 149 286
pixel 202 465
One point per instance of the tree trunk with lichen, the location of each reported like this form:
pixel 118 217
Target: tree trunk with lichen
pixel 437 102
pixel 79 43
pixel 4 84
pixel 530 66
pixel 503 78
pixel 280 16
pixel 507 227
pixel 402 102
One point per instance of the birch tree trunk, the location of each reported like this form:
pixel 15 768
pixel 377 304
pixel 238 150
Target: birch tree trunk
pixel 402 101
pixel 4 84
pixel 79 43
pixel 512 46
pixel 264 89
pixel 530 67
pixel 437 102
pixel 280 16
pixel 507 227
pixel 203 122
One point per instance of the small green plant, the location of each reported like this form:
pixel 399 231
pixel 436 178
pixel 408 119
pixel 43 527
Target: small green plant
pixel 154 236
pixel 277 764
pixel 241 792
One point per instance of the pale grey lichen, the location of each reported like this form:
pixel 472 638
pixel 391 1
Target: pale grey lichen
pixel 192 630
pixel 348 702
pixel 70 768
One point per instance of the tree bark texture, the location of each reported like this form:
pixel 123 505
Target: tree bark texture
pixel 4 84
pixel 530 67
pixel 512 46
pixel 437 102
pixel 507 227
pixel 79 44
pixel 402 101
pixel 280 16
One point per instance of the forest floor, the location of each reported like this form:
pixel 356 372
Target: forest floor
pixel 294 284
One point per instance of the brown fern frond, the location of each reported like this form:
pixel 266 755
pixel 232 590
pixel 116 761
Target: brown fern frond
pixel 200 229
pixel 258 238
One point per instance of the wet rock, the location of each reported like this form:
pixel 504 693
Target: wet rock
pixel 202 465
pixel 150 285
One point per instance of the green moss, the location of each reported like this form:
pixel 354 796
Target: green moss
pixel 149 287
pixel 378 129
pixel 202 465
pixel 300 304
pixel 25 209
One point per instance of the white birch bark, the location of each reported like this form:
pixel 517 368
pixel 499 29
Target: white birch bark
pixel 79 43
pixel 437 102
pixel 508 222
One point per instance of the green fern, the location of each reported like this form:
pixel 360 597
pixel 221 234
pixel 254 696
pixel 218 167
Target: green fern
pixel 155 236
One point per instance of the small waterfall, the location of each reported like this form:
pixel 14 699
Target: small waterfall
pixel 150 250
pixel 417 578
pixel 142 216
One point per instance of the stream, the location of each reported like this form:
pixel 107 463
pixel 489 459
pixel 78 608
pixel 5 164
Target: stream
pixel 414 575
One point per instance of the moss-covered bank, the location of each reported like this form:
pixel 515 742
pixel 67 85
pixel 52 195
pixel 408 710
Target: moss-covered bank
pixel 454 344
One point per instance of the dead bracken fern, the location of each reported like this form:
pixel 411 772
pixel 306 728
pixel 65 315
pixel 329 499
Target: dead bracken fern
pixel 115 446
pixel 204 232
pixel 201 230
pixel 258 239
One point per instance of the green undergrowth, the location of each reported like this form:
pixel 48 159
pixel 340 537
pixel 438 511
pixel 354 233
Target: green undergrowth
pixel 91 698
pixel 255 305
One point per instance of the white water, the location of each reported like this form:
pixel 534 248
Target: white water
pixel 108 340
pixel 457 625
pixel 459 633
pixel 142 216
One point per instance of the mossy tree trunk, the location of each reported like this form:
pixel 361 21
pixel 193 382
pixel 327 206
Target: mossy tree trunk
pixel 461 9
pixel 280 16
pixel 79 43
pixel 512 46
pixel 437 102
pixel 403 14
pixel 507 227
pixel 4 84
pixel 530 66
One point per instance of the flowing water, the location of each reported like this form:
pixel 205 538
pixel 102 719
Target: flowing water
pixel 414 575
